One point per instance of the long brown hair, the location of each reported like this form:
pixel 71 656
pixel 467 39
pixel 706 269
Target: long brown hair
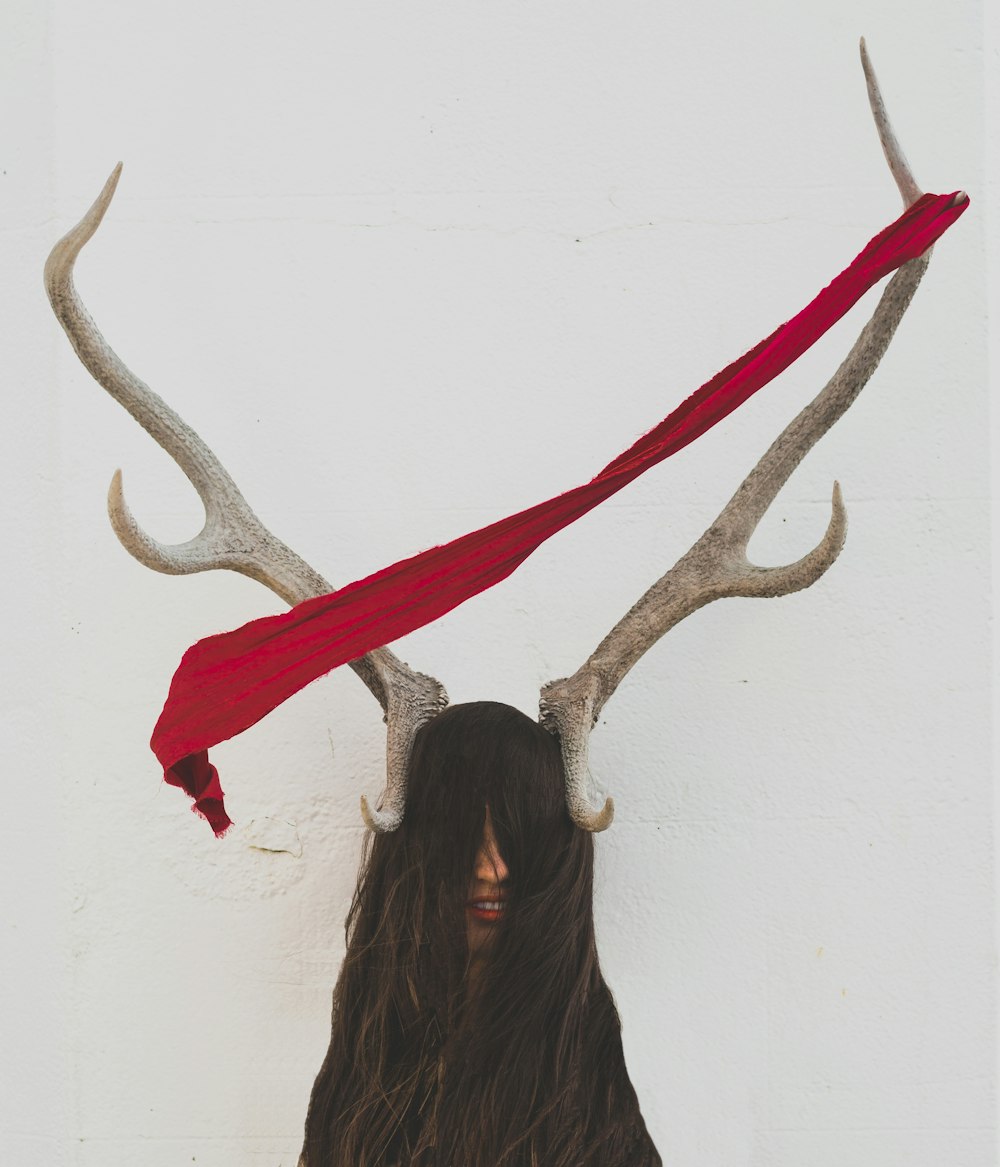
pixel 524 1070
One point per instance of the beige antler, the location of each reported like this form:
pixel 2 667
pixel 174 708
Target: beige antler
pixel 232 537
pixel 717 565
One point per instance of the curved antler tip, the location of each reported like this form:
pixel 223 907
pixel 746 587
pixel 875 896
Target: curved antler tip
pixel 116 495
pixel 907 185
pixel 149 551
pixel 839 515
pixel 837 528
pixel 381 822
pixel 836 531
pixel 103 200
pixel 595 820
pixel 59 265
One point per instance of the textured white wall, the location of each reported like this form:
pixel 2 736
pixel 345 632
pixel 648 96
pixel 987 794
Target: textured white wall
pixel 409 268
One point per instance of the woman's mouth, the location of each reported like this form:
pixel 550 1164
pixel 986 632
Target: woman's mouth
pixel 489 911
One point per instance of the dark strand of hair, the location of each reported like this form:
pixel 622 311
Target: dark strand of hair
pixel 519 1066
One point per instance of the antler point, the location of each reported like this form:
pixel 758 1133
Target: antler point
pixel 596 820
pixel 380 822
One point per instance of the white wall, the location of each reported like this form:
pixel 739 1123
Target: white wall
pixel 410 267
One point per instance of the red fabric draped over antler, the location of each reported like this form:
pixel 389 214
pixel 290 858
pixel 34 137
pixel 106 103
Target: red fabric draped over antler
pixel 226 683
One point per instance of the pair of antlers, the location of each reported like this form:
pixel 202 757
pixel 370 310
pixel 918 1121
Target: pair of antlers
pixel 716 566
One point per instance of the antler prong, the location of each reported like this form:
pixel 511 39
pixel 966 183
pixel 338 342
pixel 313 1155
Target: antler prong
pixel 141 546
pixel 169 558
pixel 900 168
pixel 782 580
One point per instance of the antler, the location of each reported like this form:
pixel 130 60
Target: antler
pixel 717 564
pixel 232 537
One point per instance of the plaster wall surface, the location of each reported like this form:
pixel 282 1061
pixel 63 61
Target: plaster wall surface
pixel 409 268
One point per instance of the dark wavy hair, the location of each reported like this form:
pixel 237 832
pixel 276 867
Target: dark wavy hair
pixel 520 1067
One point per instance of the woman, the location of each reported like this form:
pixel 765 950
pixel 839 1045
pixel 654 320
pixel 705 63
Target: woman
pixel 471 1024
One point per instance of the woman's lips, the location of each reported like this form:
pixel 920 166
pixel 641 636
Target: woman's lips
pixel 489 911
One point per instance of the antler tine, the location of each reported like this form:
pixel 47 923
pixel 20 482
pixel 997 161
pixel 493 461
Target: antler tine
pixel 232 536
pixel 717 565
pixel 908 189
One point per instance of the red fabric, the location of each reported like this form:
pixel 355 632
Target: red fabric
pixel 227 683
